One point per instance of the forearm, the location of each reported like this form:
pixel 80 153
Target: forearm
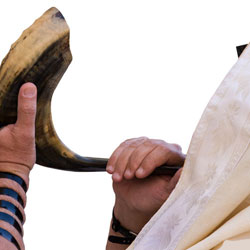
pixel 129 218
pixel 13 187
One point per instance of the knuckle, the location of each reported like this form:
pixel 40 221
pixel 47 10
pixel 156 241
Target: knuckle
pixel 161 143
pixel 154 142
pixel 125 143
pixel 143 138
pixel 129 140
pixel 177 147
pixel 148 142
pixel 166 149
pixel 135 141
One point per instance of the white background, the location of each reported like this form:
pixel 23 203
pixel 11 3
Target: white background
pixel 140 68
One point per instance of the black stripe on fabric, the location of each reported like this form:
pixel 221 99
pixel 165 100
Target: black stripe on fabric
pixel 11 220
pixel 13 194
pixel 5 234
pixel 12 208
pixel 15 178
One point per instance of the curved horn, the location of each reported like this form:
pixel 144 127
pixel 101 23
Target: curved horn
pixel 41 55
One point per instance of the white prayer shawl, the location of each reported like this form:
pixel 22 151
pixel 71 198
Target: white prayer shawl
pixel 210 206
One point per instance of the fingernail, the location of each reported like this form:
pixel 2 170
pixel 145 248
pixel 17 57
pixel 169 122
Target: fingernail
pixel 29 92
pixel 110 168
pixel 140 171
pixel 128 173
pixel 116 177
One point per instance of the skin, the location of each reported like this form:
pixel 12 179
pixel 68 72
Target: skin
pixel 138 195
pixel 17 154
pixel 17 141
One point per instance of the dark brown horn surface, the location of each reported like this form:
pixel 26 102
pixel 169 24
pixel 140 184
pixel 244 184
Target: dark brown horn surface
pixel 42 55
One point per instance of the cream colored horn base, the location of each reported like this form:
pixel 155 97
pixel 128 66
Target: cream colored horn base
pixel 209 209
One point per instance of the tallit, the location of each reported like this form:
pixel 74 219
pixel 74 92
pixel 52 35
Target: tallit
pixel 209 208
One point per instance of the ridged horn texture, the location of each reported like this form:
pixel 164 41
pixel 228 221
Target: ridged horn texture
pixel 41 55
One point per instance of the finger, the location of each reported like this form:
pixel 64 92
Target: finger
pixel 178 147
pixel 173 182
pixel 121 157
pixel 113 158
pixel 159 156
pixel 121 163
pixel 124 156
pixel 137 157
pixel 177 158
pixel 26 113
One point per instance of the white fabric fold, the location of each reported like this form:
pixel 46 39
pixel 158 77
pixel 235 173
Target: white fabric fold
pixel 215 182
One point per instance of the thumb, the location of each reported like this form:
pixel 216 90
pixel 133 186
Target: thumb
pixel 26 113
pixel 174 180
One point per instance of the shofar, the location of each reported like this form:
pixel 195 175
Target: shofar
pixel 41 55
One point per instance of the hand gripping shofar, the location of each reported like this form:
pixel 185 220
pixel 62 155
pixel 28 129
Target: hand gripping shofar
pixel 41 56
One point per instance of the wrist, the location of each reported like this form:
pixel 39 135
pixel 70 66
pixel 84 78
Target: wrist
pixel 16 169
pixel 130 218
pixel 119 236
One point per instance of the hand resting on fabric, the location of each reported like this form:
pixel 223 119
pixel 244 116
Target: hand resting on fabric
pixel 137 195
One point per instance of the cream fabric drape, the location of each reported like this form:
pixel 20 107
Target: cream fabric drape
pixel 210 206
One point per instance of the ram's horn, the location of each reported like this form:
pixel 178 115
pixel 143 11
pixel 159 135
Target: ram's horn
pixel 41 55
